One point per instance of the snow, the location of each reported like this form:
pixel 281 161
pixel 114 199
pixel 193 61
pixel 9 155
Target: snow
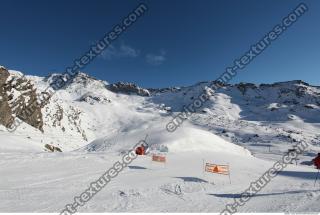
pixel 149 187
pixel 187 139
pixel 248 131
pixel 16 73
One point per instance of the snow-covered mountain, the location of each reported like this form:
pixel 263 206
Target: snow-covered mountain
pixel 87 109
pixel 93 122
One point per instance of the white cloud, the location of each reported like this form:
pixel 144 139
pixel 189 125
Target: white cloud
pixel 119 52
pixel 156 59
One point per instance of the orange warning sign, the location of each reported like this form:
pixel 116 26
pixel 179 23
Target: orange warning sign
pixel 215 168
pixel 159 158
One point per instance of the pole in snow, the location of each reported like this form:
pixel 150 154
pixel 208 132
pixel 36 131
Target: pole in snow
pixel 316 178
pixel 229 173
pixel 203 168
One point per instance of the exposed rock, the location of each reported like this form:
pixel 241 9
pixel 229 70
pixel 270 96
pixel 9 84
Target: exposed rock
pixel 57 116
pixel 128 88
pixel 83 78
pixel 74 117
pixel 62 81
pixel 243 87
pixel 93 99
pixel 67 118
pixel 6 117
pixel 280 84
pixel 164 90
pixel 301 91
pixel 52 148
pixel 273 109
pixel 18 99
pixel 310 106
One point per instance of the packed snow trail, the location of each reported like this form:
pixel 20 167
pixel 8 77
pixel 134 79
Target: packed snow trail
pixel 42 182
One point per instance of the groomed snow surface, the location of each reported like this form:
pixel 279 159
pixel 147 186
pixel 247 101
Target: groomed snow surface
pixel 45 182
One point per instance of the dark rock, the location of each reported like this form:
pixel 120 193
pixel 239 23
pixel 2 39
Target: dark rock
pixel 52 148
pixel 243 87
pixel 6 117
pixel 19 98
pixel 89 98
pixel 128 88
pixel 309 106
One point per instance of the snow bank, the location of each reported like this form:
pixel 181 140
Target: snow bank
pixel 195 139
pixel 185 139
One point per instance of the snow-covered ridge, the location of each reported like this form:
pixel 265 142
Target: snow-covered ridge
pixel 87 108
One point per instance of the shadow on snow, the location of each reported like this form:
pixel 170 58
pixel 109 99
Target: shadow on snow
pixel 237 195
pixel 192 179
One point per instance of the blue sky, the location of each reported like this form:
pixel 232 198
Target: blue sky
pixel 175 43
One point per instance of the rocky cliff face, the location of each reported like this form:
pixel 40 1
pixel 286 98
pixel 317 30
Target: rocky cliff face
pixel 128 88
pixel 19 99
pixel 6 117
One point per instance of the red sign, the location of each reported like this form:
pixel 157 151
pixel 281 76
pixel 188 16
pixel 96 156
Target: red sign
pixel 218 169
pixel 159 158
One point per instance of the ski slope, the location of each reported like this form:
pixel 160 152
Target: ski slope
pixel 45 182
pixel 42 182
pixel 243 126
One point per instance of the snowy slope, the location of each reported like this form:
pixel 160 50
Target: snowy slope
pixel 187 139
pixel 46 182
pixel 86 109
pixel 246 126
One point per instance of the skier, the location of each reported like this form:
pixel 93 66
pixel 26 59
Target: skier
pixel 316 161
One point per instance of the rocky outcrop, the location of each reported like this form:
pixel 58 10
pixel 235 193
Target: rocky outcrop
pixel 243 87
pixel 94 99
pixel 19 99
pixel 52 148
pixel 65 80
pixel 128 88
pixel 6 117
pixel 65 117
